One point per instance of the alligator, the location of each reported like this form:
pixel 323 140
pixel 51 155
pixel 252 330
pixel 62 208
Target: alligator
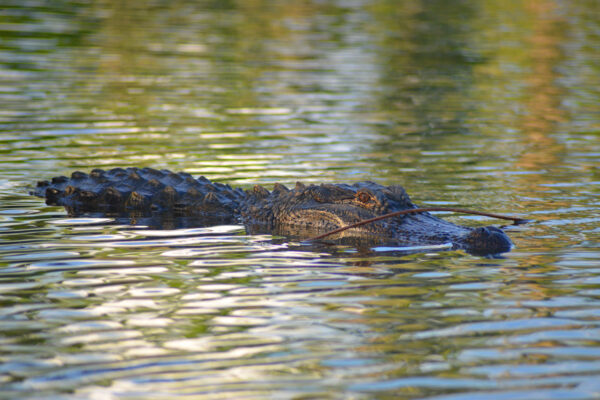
pixel 302 211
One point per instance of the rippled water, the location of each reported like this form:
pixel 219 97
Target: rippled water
pixel 489 105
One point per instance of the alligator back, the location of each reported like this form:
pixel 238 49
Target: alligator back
pixel 143 190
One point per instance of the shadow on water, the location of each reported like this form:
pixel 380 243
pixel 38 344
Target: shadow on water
pixel 485 105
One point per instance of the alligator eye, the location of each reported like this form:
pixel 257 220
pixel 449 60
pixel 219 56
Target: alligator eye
pixel 364 197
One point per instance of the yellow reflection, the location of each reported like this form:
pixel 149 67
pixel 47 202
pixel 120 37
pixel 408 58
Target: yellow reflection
pixel 541 99
pixel 542 96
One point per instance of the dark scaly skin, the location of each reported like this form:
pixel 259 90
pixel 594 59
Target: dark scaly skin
pixel 304 211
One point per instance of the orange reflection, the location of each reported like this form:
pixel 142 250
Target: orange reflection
pixel 543 114
pixel 542 95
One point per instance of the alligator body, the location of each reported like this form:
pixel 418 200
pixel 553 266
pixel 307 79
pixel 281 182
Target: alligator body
pixel 303 211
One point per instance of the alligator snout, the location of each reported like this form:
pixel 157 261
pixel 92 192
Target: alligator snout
pixel 487 240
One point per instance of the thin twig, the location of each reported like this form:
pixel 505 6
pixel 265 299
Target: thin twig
pixel 516 220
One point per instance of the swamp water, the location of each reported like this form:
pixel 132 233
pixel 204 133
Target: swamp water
pixel 491 105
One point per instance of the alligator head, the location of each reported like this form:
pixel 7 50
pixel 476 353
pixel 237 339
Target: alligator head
pixel 310 210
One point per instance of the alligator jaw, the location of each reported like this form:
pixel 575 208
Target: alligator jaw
pixel 419 229
pixel 428 229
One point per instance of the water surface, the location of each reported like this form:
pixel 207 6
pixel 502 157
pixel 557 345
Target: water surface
pixel 488 105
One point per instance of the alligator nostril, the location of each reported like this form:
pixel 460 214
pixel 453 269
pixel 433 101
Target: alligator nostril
pixel 487 240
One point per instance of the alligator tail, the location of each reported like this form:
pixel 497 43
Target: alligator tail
pixel 145 190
